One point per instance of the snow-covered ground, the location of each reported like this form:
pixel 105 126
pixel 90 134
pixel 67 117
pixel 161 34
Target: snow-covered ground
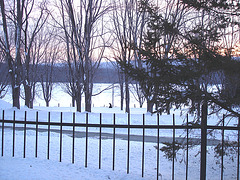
pixel 30 167
pixel 61 98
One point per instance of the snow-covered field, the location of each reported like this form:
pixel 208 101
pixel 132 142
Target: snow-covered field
pixel 30 167
pixel 61 98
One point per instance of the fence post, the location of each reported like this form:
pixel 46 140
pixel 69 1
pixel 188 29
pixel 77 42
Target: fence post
pixel 100 141
pixel 14 118
pixel 114 139
pixel 143 147
pixel 222 147
pixel 48 146
pixel 25 133
pixel 203 140
pixel 36 146
pixel 86 148
pixel 238 148
pixel 128 150
pixel 73 142
pixel 2 132
pixel 187 149
pixel 173 161
pixel 61 129
pixel 158 149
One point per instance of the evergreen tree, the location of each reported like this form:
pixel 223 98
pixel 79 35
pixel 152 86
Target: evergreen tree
pixel 180 72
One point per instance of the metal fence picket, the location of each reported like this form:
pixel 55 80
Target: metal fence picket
pixel 143 145
pixel 36 140
pixel 14 118
pixel 25 134
pixel 3 131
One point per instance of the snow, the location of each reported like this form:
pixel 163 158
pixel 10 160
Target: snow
pixel 33 168
pixel 4 104
pixel 30 167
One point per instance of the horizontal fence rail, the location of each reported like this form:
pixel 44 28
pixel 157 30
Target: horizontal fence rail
pixel 114 126
pixel 125 126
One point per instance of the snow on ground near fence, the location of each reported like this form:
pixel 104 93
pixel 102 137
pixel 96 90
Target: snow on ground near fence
pixel 40 168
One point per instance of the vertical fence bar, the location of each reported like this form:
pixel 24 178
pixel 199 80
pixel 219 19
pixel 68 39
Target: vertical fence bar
pixel 187 149
pixel 100 140
pixel 128 148
pixel 36 145
pixel 114 139
pixel 60 146
pixel 203 166
pixel 157 146
pixel 48 146
pixel 25 132
pixel 3 131
pixel 238 148
pixel 173 161
pixel 86 149
pixel 73 142
pixel 14 119
pixel 143 145
pixel 222 147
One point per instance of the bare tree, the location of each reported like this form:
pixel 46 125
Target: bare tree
pixel 47 81
pixel 13 16
pixel 138 94
pixel 84 37
pixel 123 35
pixel 31 28
pixel 37 56
pixel 129 23
pixel 120 79
pixel 20 27
pixel 4 76
pixel 51 55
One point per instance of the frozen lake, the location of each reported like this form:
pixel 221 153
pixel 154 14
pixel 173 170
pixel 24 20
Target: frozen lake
pixel 63 99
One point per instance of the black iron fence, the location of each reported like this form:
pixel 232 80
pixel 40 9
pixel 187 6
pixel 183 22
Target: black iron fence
pixel 188 126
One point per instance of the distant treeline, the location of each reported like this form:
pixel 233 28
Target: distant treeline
pixel 104 74
pixel 60 73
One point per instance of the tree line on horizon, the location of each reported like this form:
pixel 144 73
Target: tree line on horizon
pixel 105 74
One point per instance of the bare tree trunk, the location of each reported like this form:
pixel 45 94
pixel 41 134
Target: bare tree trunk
pixel 150 105
pixel 27 90
pixel 47 90
pixel 88 103
pixel 121 94
pixel 138 94
pixel 73 101
pixel 4 79
pixel 88 98
pixel 15 97
pixel 79 105
pixel 127 94
pixel 79 101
